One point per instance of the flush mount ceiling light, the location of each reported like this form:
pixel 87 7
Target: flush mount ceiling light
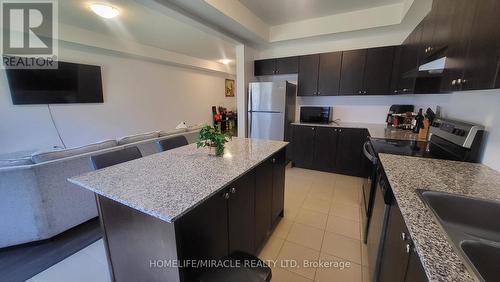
pixel 104 10
pixel 225 61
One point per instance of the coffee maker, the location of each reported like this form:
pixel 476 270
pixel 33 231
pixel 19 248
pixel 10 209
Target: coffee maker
pixel 396 114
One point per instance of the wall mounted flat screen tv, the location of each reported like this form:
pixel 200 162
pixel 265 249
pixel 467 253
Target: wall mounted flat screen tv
pixel 70 83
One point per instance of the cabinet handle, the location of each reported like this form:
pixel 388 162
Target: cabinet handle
pixel 364 92
pixel 454 82
pixel 359 92
pixel 318 93
pixel 403 236
pixel 273 160
pixel 233 190
pixel 225 196
pixel 407 248
pixel 312 128
pixel 340 130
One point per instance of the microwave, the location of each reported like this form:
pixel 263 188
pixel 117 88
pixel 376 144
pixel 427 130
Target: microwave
pixel 316 114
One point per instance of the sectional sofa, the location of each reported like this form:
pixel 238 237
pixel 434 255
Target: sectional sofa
pixel 36 200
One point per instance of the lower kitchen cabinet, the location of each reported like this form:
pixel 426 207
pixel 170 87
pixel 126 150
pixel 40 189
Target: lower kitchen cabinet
pixel 325 148
pixel 399 260
pixel 238 218
pixel 303 146
pixel 278 197
pixel 330 149
pixel 241 215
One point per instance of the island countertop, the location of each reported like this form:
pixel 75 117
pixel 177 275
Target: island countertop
pixel 169 184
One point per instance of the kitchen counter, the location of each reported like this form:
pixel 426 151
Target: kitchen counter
pixel 167 185
pixel 406 175
pixel 376 130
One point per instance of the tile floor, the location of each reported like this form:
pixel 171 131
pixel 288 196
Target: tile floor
pixel 321 225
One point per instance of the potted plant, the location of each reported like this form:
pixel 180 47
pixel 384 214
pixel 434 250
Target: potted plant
pixel 213 138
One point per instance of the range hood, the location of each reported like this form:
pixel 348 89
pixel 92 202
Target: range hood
pixel 433 67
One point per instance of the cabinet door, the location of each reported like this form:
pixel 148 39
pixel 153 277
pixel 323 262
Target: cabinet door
pixel 394 254
pixel 378 70
pixel 484 48
pixel 329 73
pixel 263 202
pixel 352 73
pixel 303 146
pixel 415 271
pixel 279 164
pixel 350 151
pixel 264 67
pixel 308 75
pixel 203 232
pixel 287 65
pixel 425 44
pixel 458 42
pixel 409 62
pixel 241 220
pixel 444 12
pixel 325 148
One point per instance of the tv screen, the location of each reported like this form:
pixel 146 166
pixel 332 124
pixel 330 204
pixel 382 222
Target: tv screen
pixel 70 83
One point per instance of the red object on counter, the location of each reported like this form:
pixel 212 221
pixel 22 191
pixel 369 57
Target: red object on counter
pixel 395 122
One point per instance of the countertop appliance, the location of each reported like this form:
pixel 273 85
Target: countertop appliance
pixel 271 109
pixel 310 114
pixel 397 109
pixel 450 140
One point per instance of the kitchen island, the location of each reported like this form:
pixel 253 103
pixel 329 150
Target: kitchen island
pixel 163 211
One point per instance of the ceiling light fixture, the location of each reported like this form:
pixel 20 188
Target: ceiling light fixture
pixel 225 61
pixel 104 10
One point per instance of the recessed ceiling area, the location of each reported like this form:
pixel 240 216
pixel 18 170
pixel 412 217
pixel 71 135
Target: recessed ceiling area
pixel 276 12
pixel 141 24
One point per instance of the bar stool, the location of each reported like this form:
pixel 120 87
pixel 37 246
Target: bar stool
pixel 171 143
pixel 115 157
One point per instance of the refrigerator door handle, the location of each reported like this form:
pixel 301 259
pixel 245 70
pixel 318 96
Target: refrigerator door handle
pixel 249 125
pixel 250 98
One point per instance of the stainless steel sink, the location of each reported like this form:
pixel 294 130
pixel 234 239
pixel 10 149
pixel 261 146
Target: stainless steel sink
pixel 473 227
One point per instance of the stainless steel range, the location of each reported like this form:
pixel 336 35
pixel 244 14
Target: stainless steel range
pixel 449 139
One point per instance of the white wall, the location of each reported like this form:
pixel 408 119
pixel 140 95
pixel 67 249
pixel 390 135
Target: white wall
pixel 139 96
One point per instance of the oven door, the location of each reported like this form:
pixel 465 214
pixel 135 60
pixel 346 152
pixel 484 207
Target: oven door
pixel 369 186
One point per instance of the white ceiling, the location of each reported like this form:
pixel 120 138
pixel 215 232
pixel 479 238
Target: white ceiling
pixel 276 12
pixel 146 26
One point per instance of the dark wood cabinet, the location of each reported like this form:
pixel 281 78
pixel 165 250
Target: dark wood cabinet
pixel 330 149
pixel 408 62
pixel 308 75
pixel 481 63
pixel 415 271
pixel 395 254
pixel 287 65
pixel 399 260
pixel 263 202
pixel 378 70
pixel 303 146
pixel 325 149
pixel 203 232
pixel 352 73
pixel 329 73
pixel 264 67
pixel 278 197
pixel 461 25
pixel 241 216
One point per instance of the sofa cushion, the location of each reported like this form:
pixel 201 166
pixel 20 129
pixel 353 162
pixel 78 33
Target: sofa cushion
pixel 172 132
pixel 138 137
pixel 16 162
pixel 196 127
pixel 41 157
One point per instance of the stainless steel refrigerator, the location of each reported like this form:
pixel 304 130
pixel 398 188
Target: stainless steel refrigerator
pixel 271 109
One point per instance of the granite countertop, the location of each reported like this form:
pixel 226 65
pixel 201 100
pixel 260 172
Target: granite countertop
pixel 406 175
pixel 376 130
pixel 169 184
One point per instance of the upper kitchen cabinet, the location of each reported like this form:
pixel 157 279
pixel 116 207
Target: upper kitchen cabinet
pixel 288 65
pixel 378 70
pixel 483 53
pixel 329 73
pixel 352 72
pixel 407 63
pixel 308 75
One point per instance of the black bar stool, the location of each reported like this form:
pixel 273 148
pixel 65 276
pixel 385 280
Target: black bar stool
pixel 171 143
pixel 115 157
